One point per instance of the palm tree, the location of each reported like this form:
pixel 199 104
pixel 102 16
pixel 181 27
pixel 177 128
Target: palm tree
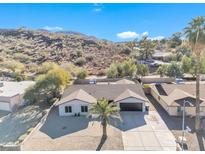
pixel 104 110
pixel 195 33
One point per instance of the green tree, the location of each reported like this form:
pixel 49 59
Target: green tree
pixel 104 110
pixel 129 68
pixel 142 69
pixel 195 33
pixel 187 64
pixel 162 70
pixel 48 87
pixel 175 40
pixel 146 48
pixel 174 70
pixel 112 71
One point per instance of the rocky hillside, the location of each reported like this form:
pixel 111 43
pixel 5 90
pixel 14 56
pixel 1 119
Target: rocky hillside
pixel 38 46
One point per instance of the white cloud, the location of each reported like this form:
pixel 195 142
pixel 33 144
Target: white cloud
pixel 98 7
pixel 145 33
pixel 157 38
pixel 55 28
pixel 128 35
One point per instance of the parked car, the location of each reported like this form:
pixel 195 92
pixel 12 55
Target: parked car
pixel 179 81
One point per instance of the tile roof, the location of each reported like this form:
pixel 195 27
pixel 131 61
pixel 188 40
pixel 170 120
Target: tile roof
pixel 125 81
pixel 107 91
pixel 174 94
pixel 78 95
pixel 128 93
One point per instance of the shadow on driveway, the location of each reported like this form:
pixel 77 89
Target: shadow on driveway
pixel 128 120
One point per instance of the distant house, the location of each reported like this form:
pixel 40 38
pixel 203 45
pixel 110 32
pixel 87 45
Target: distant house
pixel 128 96
pixel 160 55
pixel 11 94
pixel 172 96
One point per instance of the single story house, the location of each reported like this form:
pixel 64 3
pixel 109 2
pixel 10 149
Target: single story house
pixel 11 94
pixel 161 55
pixel 126 94
pixel 172 96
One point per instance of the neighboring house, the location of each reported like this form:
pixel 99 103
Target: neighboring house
pixel 160 55
pixel 11 94
pixel 172 96
pixel 126 94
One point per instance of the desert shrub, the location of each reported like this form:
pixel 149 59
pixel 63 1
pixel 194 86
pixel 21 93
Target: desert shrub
pixel 112 71
pixel 79 53
pixel 126 50
pixel 69 67
pixel 89 57
pixel 46 66
pixel 13 65
pixel 21 57
pixel 32 67
pixel 18 77
pixel 80 61
pixel 82 74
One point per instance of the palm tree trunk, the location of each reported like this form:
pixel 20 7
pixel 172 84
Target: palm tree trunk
pixel 104 124
pixel 197 118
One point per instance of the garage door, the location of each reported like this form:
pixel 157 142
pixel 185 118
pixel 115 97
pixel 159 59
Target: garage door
pixel 131 106
pixel 4 106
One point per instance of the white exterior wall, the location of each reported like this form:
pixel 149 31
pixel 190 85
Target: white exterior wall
pixel 15 102
pixel 132 100
pixel 76 107
pixel 5 106
pixel 5 103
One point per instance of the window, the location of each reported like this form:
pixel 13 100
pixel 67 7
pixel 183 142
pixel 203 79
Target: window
pixel 84 108
pixel 201 109
pixel 68 109
pixel 179 109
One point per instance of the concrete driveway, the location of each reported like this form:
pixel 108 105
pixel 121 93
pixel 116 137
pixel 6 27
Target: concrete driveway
pixel 142 131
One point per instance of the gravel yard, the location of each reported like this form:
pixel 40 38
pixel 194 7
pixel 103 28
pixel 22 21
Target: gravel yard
pixel 72 133
pixel 15 126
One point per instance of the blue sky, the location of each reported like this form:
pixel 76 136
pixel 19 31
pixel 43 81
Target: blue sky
pixel 116 22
